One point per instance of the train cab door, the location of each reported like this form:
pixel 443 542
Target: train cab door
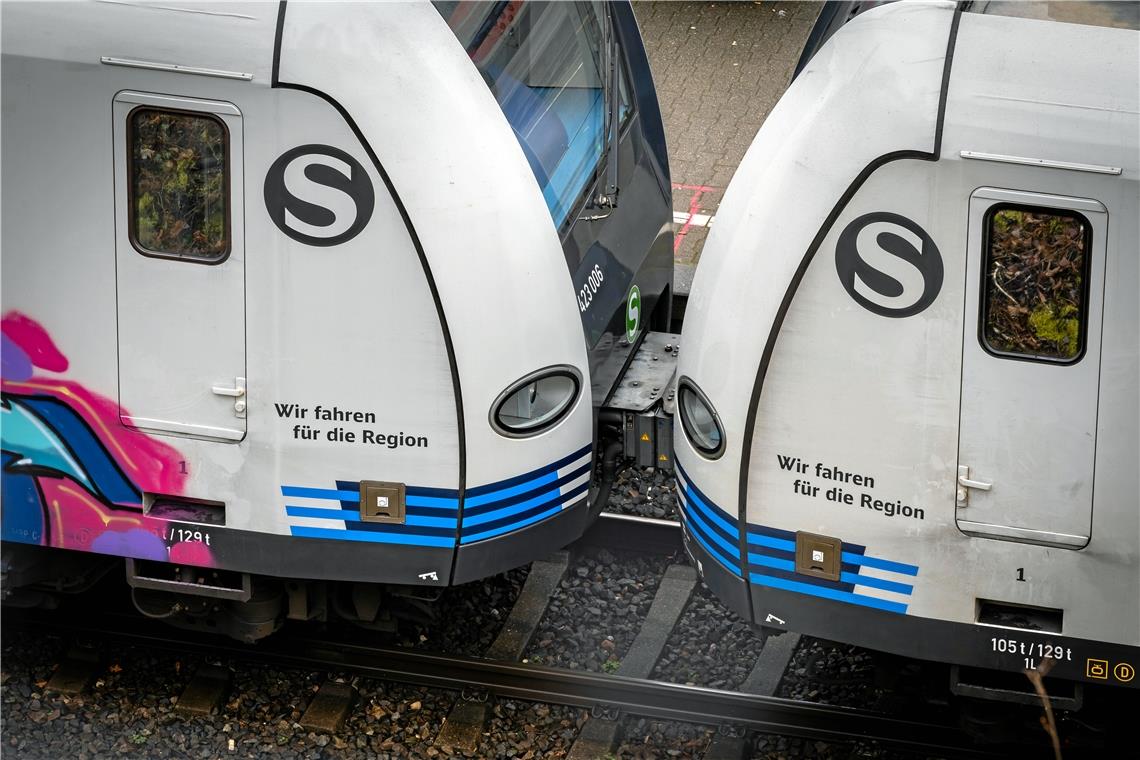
pixel 1030 367
pixel 180 265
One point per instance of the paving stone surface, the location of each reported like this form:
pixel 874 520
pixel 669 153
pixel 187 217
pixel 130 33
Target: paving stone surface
pixel 719 68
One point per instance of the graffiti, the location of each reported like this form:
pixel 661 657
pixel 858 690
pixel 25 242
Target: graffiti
pixel 73 475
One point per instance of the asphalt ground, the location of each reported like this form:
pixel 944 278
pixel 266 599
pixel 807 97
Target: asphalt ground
pixel 719 68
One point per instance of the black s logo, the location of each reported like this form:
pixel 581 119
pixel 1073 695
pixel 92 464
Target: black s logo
pixel 319 195
pixel 888 264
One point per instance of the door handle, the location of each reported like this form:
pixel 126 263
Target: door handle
pixel 964 484
pixel 237 393
pixel 967 483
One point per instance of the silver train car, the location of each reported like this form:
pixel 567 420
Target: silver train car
pixel 908 384
pixel 316 291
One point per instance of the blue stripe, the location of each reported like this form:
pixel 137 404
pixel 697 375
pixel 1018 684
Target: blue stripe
pixel 525 492
pixel 725 544
pixel 425 491
pixel 885 585
pixel 827 593
pixel 448 531
pixel 471 521
pixel 411 539
pixel 320 493
pixel 724 561
pixel 881 564
pixel 538 505
pixel 432 498
pixel 851 558
pixel 532 475
pixel 704 499
pixel 713 514
pixel 765 561
pixel 766 530
pixel 493 496
pixel 431 502
pixel 89 451
pixel 354 516
pixel 321 513
pixel 792 575
pixel 772 543
pixel 846 577
pixel 451 493
pixel 763 551
pixel 513 526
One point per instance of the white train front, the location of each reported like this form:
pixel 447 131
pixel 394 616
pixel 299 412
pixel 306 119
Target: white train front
pixel 909 371
pixel 317 291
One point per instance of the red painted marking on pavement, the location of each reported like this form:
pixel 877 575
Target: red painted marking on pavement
pixel 694 207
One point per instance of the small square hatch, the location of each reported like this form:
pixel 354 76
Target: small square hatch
pixel 381 502
pixel 818 556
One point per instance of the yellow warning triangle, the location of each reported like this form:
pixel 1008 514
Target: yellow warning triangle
pixel 645 436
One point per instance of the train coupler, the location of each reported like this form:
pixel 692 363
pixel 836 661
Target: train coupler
pixel 646 399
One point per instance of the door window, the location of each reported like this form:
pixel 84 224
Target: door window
pixel 179 204
pixel 1036 283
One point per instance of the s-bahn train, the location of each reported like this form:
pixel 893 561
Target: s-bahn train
pixel 316 292
pixel 908 388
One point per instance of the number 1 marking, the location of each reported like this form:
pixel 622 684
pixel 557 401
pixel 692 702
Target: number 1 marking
pixel 1021 574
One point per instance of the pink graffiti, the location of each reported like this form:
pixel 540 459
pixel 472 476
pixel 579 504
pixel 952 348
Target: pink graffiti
pixel 33 339
pixel 150 464
pixel 80 521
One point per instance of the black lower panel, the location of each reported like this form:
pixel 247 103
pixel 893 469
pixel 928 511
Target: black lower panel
pixel 921 638
pixel 501 553
pixel 309 558
pixel 728 587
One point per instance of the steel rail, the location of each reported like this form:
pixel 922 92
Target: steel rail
pixel 633 533
pixel 303 648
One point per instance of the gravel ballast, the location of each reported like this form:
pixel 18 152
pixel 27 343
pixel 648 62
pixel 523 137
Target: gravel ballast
pixel 710 646
pixel 526 730
pixel 644 492
pixel 597 611
pixel 645 739
pixel 465 619
pixel 830 673
pixel 129 711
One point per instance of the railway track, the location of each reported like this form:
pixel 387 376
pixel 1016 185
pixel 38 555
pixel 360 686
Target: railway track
pixel 609 696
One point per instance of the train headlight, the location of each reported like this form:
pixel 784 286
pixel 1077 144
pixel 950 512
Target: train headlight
pixel 535 403
pixel 699 420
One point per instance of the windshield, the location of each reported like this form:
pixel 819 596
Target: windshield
pixel 543 63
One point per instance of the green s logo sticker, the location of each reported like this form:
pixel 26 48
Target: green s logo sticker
pixel 632 313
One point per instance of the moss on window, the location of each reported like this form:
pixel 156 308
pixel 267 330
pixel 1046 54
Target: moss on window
pixel 1034 288
pixel 178 182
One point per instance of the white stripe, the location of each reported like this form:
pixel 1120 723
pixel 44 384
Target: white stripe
pixel 887 575
pixel 315 522
pixel 312 503
pixel 879 593
pixel 583 478
pixel 584 459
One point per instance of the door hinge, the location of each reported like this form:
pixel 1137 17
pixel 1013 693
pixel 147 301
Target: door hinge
pixel 965 484
pixel 238 394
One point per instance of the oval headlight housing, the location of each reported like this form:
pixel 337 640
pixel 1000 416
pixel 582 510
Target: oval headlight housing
pixel 535 403
pixel 699 420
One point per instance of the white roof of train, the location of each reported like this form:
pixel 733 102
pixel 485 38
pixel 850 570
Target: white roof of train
pixel 234 37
